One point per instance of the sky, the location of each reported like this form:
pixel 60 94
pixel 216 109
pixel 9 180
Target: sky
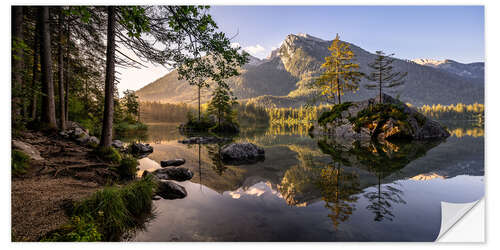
pixel 434 32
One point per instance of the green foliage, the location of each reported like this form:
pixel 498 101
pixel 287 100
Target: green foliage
pixel 79 229
pixel 130 101
pixel 382 74
pixel 108 154
pixel 221 106
pixel 20 162
pixel 128 167
pixel 340 73
pixel 379 112
pixel 334 113
pixel 137 195
pixel 116 209
pixel 203 125
pixel 134 19
pixel 106 208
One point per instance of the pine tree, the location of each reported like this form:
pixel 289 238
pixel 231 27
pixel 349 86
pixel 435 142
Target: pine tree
pixel 382 74
pixel 340 73
pixel 221 105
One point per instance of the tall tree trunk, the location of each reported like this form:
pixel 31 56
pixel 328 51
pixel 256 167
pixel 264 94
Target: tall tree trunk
pixel 48 105
pixel 34 93
pixel 66 82
pixel 60 71
pixel 380 82
pixel 199 104
pixel 107 126
pixel 17 60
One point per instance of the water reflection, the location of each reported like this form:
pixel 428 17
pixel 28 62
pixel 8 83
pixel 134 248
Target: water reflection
pixel 330 191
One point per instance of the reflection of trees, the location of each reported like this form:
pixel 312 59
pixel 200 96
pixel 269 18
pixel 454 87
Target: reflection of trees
pixel 382 200
pixel 215 156
pixel 378 159
pixel 338 187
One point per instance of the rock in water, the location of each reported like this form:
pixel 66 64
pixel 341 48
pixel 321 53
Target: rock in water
pixel 175 173
pixel 140 149
pixel 367 120
pixel 26 148
pixel 174 162
pixel 242 153
pixel 117 144
pixel 169 190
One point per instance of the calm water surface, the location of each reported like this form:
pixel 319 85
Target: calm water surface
pixel 308 190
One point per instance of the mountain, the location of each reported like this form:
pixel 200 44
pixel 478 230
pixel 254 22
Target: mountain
pixel 472 70
pixel 281 79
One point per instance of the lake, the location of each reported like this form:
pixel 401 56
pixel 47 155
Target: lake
pixel 307 190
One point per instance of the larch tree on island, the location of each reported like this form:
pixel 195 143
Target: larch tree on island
pixel 340 73
pixel 382 75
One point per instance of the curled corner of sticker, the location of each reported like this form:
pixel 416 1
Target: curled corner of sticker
pixel 451 213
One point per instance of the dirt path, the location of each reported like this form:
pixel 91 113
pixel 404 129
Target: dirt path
pixel 69 172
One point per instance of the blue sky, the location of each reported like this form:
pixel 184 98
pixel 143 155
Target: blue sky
pixel 435 32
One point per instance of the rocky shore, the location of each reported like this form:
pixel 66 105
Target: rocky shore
pixel 369 120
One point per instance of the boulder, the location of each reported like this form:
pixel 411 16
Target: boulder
pixel 83 139
pixel 175 173
pixel 140 150
pixel 174 162
pixel 397 122
pixel 117 144
pixel 93 140
pixel 170 190
pixel 26 148
pixel 242 153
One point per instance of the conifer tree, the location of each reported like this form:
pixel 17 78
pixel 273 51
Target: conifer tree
pixel 382 75
pixel 221 104
pixel 340 74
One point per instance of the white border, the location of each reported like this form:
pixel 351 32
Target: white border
pixel 492 90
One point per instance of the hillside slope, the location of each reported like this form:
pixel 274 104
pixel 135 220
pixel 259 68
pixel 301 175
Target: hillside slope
pixel 281 79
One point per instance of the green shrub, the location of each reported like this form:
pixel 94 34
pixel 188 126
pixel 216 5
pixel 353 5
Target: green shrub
pixel 334 113
pixel 137 195
pixel 78 229
pixel 108 154
pixel 107 209
pixel 128 167
pixel 20 162
pixel 378 112
pixel 114 210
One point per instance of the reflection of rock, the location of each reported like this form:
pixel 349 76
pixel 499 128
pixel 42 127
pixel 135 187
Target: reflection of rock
pixel 383 157
pixel 361 121
pixel 242 153
pixel 26 148
pixel 204 140
pixel 170 190
pixel 175 173
pixel 174 162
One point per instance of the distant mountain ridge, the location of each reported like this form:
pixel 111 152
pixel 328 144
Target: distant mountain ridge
pixel 282 78
pixel 472 70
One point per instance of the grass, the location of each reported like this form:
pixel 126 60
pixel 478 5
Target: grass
pixel 108 154
pixel 77 230
pixel 108 213
pixel 128 167
pixel 20 163
pixel 334 113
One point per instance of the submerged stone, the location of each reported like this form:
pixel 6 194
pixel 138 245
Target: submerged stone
pixel 174 162
pixel 175 173
pixel 169 190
